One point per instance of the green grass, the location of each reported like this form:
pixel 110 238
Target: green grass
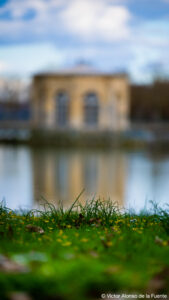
pixel 83 252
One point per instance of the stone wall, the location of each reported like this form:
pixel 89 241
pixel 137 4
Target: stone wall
pixel 112 92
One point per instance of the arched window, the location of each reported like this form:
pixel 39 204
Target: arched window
pixel 91 109
pixel 62 109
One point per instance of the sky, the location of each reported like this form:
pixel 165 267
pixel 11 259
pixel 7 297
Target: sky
pixel 111 35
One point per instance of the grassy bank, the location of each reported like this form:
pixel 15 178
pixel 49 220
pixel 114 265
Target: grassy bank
pixel 83 252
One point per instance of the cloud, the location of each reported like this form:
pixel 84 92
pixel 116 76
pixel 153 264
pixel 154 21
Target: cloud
pixel 3 66
pixel 149 47
pixel 96 20
pixel 28 59
pixel 15 28
pixel 18 8
pixel 82 19
pixel 109 33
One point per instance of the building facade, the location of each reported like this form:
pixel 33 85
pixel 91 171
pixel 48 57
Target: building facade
pixel 80 101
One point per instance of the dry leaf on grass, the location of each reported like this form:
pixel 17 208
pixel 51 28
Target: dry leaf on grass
pixel 9 266
pixel 33 228
pixel 19 296
pixel 159 282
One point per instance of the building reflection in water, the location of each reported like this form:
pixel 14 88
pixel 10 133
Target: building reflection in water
pixel 130 179
pixel 59 176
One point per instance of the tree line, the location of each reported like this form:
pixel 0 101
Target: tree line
pixel 150 103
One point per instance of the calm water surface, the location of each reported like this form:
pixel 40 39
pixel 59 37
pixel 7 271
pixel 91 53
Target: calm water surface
pixel 131 179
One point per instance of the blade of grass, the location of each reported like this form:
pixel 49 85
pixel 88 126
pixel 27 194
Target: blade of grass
pixel 78 197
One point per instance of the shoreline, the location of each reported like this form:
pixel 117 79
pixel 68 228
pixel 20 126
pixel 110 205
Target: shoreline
pixel 131 139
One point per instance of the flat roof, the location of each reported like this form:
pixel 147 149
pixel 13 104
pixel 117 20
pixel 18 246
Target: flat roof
pixel 79 70
pixel 74 74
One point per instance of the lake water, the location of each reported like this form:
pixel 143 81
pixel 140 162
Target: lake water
pixel 131 179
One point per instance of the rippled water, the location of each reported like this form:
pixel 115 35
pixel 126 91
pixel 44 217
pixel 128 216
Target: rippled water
pixel 131 179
